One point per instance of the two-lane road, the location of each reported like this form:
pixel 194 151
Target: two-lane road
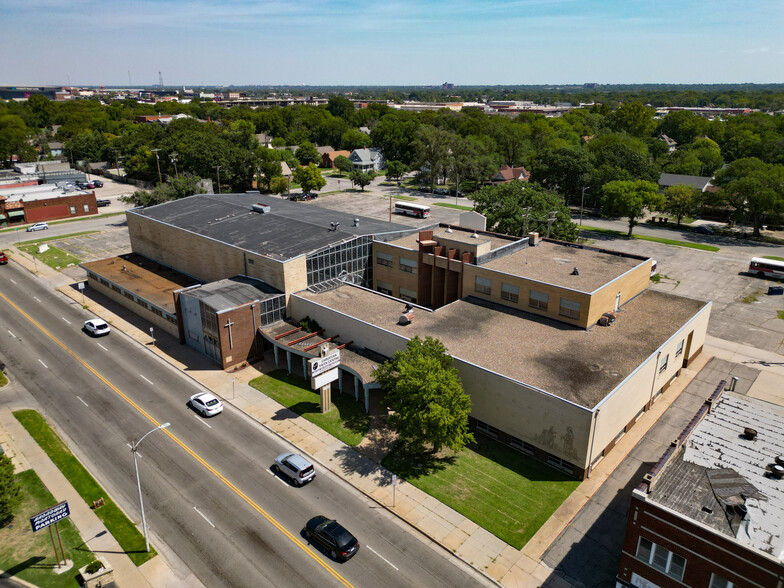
pixel 209 491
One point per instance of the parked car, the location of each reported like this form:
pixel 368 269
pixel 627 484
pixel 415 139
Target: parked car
pixel 86 185
pixel 332 537
pixel 441 191
pixel 424 189
pixel 703 230
pixel 3 258
pixel 102 202
pixel 96 327
pixel 457 193
pixel 38 227
pixel 206 404
pixel 298 469
pixel 98 183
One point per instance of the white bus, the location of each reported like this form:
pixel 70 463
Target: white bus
pixel 418 210
pixel 766 268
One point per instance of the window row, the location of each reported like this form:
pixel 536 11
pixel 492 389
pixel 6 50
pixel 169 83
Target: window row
pixel 537 300
pixel 387 260
pixel 660 558
pixel 403 293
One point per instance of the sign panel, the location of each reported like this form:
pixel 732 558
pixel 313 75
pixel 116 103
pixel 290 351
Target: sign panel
pixel 324 378
pixel 80 285
pixel 50 516
pixel 320 365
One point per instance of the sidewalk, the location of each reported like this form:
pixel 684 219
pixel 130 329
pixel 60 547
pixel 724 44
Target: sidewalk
pixel 500 562
pixel 26 454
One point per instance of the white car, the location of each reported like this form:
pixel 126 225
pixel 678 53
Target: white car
pixel 206 404
pixel 96 327
pixel 295 467
pixel 38 227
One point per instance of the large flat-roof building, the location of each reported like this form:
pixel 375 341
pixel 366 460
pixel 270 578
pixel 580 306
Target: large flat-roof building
pixel 561 347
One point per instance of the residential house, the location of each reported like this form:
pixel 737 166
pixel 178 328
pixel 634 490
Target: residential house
pixel 671 144
pixel 507 174
pixel 702 183
pixel 367 159
pixel 365 130
pixel 55 148
pixel 328 159
pixel 264 140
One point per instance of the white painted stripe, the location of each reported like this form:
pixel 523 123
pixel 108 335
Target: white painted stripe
pixel 10 280
pixel 382 557
pixel 203 422
pixel 102 347
pixel 204 517
pixel 43 364
pixel 10 333
pixel 131 448
pixel 82 401
pixel 145 379
pixel 278 478
pixel 66 320
pixel 38 299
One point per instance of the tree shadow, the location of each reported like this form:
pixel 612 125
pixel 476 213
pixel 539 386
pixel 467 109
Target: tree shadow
pixel 410 464
pixel 352 462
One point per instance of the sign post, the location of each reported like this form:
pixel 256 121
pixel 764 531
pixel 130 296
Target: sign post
pixel 324 371
pixel 81 288
pixel 47 518
pixel 394 489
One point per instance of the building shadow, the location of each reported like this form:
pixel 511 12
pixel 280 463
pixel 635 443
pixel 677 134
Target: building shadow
pixel 30 562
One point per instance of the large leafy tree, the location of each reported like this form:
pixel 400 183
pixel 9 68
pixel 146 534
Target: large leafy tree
pixel 565 170
pixel 307 153
pixel 431 151
pixel 14 139
pixel 343 164
pixel 361 179
pixel 396 169
pixel 505 208
pixel 681 201
pixel 176 188
pixel 354 139
pixel 753 188
pixel 631 199
pixel 424 390
pixel 634 118
pixel 309 177
pixel 10 490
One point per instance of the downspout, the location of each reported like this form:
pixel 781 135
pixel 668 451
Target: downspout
pixel 653 384
pixel 593 438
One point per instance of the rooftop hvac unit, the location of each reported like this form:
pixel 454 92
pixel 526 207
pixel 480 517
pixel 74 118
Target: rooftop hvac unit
pixel 262 208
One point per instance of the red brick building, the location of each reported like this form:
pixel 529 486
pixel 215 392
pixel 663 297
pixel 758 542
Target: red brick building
pixel 711 512
pixel 44 203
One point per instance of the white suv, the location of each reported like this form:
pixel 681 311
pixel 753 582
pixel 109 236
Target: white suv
pixel 38 227
pixel 295 467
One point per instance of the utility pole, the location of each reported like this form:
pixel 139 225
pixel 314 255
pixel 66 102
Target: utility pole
pixel 582 202
pixel 158 162
pixel 550 220
pixel 217 167
pixel 173 157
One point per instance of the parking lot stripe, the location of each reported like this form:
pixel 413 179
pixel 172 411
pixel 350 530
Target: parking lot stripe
pixel 82 401
pixel 102 347
pixel 204 517
pixel 43 364
pixel 146 380
pixel 10 333
pixel 66 320
pixel 382 557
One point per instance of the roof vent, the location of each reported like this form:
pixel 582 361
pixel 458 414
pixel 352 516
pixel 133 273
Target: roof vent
pixel 262 208
pixel 749 434
pixel 407 316
pixel 780 460
pixel 448 229
pixel 356 222
pixel 776 471
pixel 474 236
pixel 333 226
pixel 575 272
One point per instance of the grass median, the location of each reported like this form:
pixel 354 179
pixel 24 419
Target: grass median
pixel 54 257
pixel 347 420
pixel 455 206
pixel 128 536
pixel 30 556
pixel 621 234
pixel 508 494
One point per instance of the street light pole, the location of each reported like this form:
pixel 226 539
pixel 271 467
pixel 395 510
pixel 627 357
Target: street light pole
pixel 582 201
pixel 174 161
pixel 158 162
pixel 134 449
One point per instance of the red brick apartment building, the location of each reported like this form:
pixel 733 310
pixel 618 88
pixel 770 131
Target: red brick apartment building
pixel 711 512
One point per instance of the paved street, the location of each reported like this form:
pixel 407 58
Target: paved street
pixel 209 491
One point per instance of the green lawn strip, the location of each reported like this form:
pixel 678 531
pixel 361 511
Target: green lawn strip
pixel 408 198
pixel 68 220
pixel 126 533
pixel 773 257
pixel 347 420
pixel 456 206
pixel 30 556
pixel 46 239
pixel 621 234
pixel 54 257
pixel 499 489
pixel 3 379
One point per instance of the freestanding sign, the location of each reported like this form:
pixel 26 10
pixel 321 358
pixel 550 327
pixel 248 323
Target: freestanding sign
pixel 323 371
pixel 319 365
pixel 47 518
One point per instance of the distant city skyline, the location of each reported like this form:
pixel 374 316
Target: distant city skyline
pixel 400 42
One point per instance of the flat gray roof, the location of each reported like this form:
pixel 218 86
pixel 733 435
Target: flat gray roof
pixel 554 262
pixel 232 292
pixel 459 235
pixel 289 230
pixel 572 363
pixel 717 461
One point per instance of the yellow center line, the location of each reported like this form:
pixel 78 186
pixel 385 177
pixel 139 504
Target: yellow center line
pixel 192 453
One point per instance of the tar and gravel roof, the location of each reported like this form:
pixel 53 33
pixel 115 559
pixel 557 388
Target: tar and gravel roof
pixel 572 363
pixel 232 292
pixel 717 443
pixel 289 230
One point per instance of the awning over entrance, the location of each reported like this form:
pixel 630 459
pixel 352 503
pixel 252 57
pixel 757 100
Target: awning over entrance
pixel 15 213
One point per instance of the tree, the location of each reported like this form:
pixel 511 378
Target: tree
pixel 681 201
pixel 340 107
pixel 269 167
pixel 424 390
pixel 630 199
pixel 10 489
pixel 176 188
pixel 279 185
pixel 633 118
pixel 754 188
pixel 307 153
pixel 14 139
pixel 431 151
pixel 396 170
pixel 354 139
pixel 504 206
pixel 309 177
pixel 361 179
pixel 565 170
pixel 343 164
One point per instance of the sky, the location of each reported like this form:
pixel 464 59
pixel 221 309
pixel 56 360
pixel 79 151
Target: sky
pixel 393 42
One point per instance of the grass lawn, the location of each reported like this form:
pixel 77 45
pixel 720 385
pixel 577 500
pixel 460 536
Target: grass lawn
pixel 45 239
pixel 701 246
pixel 409 198
pixel 3 379
pixel 773 257
pixel 30 556
pixel 53 257
pixel 126 533
pixel 499 489
pixel 347 420
pixel 457 206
